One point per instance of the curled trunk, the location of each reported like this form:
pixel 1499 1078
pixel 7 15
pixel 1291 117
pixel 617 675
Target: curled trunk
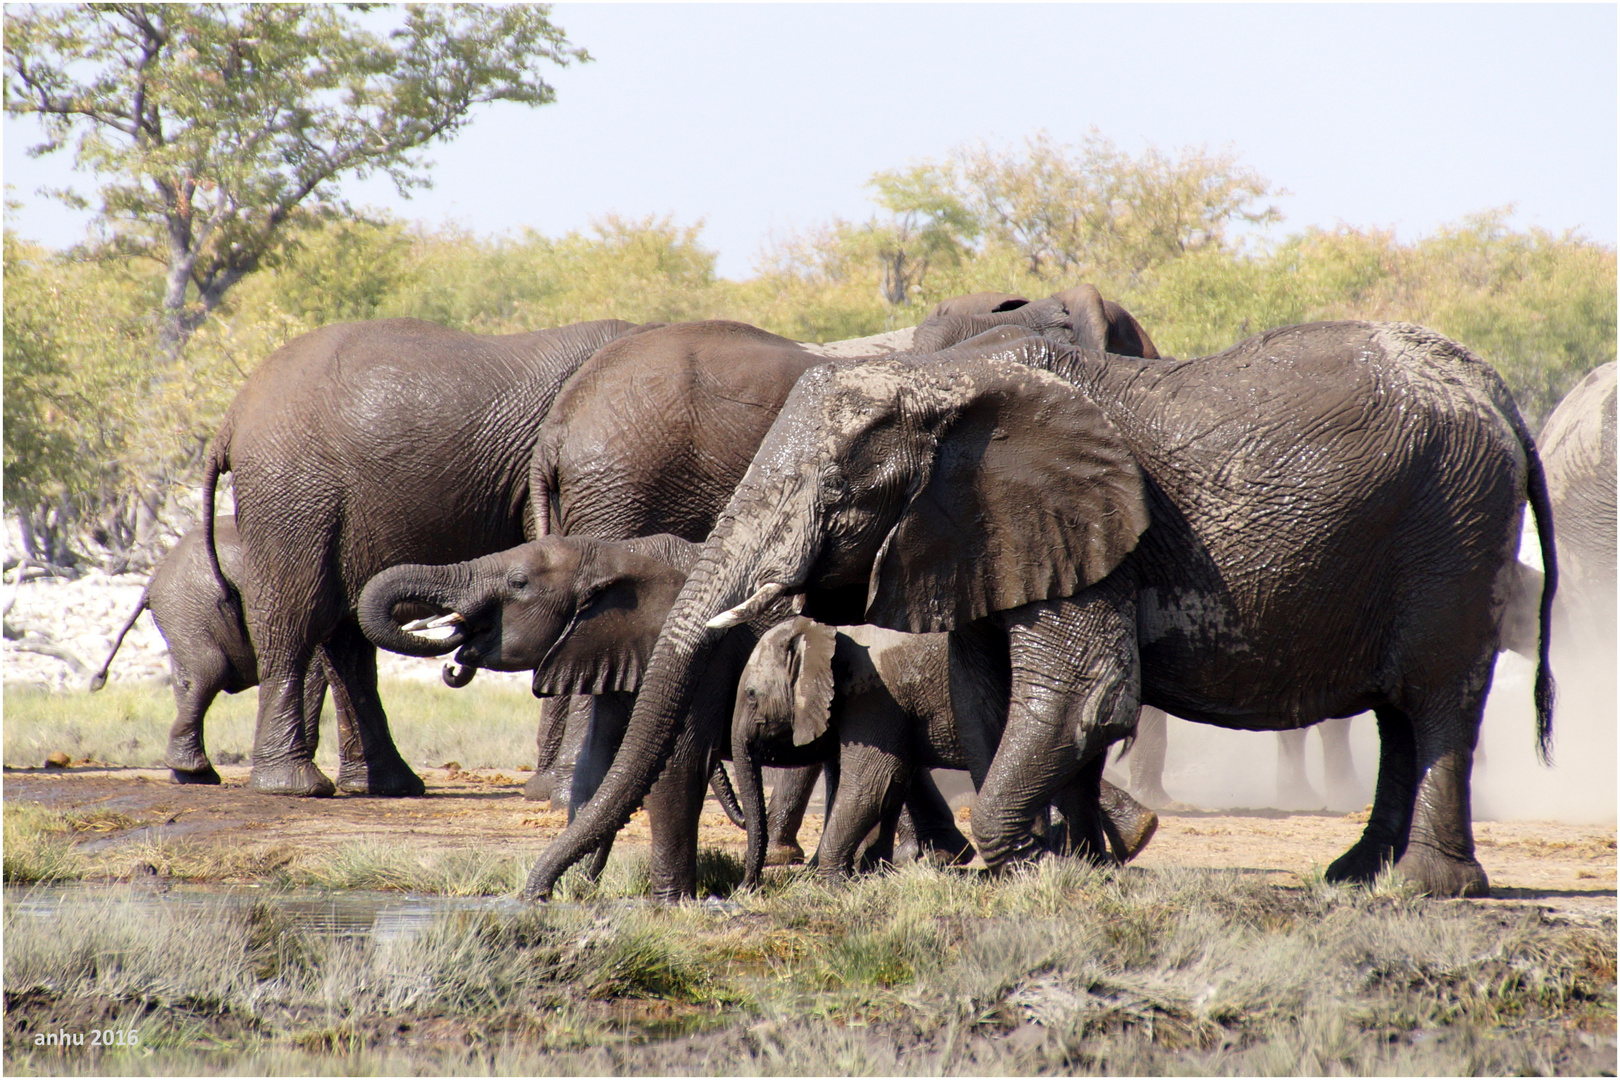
pixel 417 588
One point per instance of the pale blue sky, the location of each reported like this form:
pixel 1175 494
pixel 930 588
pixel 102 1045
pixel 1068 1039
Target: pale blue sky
pixel 763 118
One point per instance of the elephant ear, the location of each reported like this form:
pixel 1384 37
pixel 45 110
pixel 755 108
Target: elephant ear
pixel 1126 337
pixel 813 647
pixel 1031 494
pixel 1088 317
pixel 621 599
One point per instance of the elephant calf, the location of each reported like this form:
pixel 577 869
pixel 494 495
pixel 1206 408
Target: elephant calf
pixel 875 705
pixel 209 649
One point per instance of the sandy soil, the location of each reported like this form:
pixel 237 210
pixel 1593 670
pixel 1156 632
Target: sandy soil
pixel 1566 867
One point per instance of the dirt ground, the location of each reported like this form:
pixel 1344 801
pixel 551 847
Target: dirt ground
pixel 1566 867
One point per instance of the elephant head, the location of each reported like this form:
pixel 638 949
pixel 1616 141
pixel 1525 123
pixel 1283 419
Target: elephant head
pixel 918 494
pixel 581 613
pixel 784 701
pixel 1078 316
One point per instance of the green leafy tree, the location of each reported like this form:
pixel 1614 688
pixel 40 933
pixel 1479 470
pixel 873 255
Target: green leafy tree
pixel 216 126
pixel 219 135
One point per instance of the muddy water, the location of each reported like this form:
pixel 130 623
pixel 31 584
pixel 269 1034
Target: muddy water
pixel 382 916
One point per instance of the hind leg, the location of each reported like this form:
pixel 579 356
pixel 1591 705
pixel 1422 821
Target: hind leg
pixel 377 769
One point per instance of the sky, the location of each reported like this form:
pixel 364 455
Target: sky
pixel 761 119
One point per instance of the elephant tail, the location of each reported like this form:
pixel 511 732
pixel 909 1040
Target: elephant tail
pixel 542 488
pixel 1541 506
pixel 219 461
pixel 99 679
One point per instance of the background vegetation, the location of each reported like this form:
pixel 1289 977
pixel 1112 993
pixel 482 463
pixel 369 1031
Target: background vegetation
pixel 1176 238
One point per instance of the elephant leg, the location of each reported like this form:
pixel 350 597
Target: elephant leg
pixel 1079 801
pixel 933 825
pixel 790 798
pixel 378 769
pixel 1076 687
pixel 553 729
pixel 316 680
pixel 1390 822
pixel 1147 758
pixel 1338 765
pixel 282 760
pixel 194 692
pixel 609 717
pixel 879 853
pixel 1439 856
pixel 871 786
pixel 1294 791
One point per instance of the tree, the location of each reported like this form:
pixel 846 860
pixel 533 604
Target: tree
pixel 216 126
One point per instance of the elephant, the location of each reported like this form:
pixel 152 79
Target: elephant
pixel 1078 316
pixel 653 433
pixel 1577 449
pixel 352 448
pixel 209 651
pixel 1318 521
pixel 875 705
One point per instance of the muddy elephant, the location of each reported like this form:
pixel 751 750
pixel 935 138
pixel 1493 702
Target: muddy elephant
pixel 1183 535
pixel 877 707
pixel 1577 448
pixel 353 448
pixel 655 431
pixel 209 651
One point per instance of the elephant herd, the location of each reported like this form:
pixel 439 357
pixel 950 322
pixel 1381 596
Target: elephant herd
pixel 988 547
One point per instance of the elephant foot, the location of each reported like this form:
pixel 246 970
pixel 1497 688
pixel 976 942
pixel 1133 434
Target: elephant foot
pixel 784 854
pixel 1128 836
pixel 1438 875
pixel 383 781
pixel 539 786
pixel 204 775
pixel 300 778
pixel 1361 864
pixel 1154 797
pixel 1299 797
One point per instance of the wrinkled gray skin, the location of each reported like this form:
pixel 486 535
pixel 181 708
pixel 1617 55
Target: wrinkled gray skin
pixel 208 649
pixel 355 448
pixel 876 705
pixel 582 614
pixel 1577 448
pixel 1334 513
pixel 652 435
pixel 1078 316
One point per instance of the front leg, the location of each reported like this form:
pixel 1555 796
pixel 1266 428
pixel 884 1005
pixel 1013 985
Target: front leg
pixel 1076 689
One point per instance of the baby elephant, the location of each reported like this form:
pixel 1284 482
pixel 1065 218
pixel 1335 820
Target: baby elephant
pixel 209 650
pixel 876 705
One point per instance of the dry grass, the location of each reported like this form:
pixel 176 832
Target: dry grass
pixel 1061 968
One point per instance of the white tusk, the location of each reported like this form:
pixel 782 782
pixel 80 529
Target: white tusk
pixel 748 608
pixel 435 623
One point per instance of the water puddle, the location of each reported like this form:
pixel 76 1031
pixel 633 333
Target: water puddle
pixel 384 917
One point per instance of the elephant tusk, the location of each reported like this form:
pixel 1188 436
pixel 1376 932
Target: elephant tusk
pixel 749 608
pixel 443 625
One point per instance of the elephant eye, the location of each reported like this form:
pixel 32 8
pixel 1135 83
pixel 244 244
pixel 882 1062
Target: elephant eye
pixel 753 696
pixel 518 579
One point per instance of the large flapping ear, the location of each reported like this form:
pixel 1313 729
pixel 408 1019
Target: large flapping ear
pixel 1088 318
pixel 1031 494
pixel 812 656
pixel 621 598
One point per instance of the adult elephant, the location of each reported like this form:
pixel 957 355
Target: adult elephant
pixel 1179 534
pixel 353 448
pixel 655 431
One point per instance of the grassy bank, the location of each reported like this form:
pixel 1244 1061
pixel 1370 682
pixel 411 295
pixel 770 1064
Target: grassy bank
pixel 484 725
pixel 1059 969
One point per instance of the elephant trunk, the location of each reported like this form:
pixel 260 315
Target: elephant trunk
pixel 440 588
pixel 745 759
pixel 674 671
